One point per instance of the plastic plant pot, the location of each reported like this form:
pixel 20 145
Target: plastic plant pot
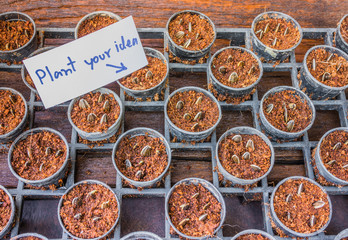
pixel 284 228
pixel 180 51
pixel 267 52
pixel 342 234
pixel 151 91
pixel 253 231
pixel 19 237
pixel 54 178
pixel 82 183
pixel 276 133
pixel 340 42
pixel 211 189
pixel 241 131
pixel 314 88
pixel 24 71
pixel 137 132
pixel 234 92
pixel 186 135
pixel 98 136
pixel 20 53
pixel 141 235
pixel 92 15
pixel 9 224
pixel 7 137
pixel 319 163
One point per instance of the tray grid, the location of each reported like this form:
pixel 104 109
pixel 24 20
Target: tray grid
pixel 237 36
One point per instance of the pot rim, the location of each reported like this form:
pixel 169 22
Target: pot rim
pixel 30 234
pixel 301 95
pixel 91 15
pixel 34 30
pixel 25 114
pixel 196 89
pixel 142 234
pixel 274 215
pixel 329 49
pixel 339 30
pixel 342 234
pixel 164 78
pixel 24 70
pixel 13 212
pixel 88 182
pixel 319 161
pixel 131 134
pixel 232 88
pixel 277 15
pixel 102 90
pixel 23 136
pixel 251 131
pixel 197 13
pixel 253 231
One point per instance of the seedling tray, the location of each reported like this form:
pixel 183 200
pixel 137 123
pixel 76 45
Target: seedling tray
pixel 238 37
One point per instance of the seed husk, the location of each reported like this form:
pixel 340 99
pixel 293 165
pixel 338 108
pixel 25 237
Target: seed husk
pixel 91 117
pixel 96 219
pixel 203 217
pixel 312 221
pixel 258 31
pixel 145 151
pixel 187 116
pixel 48 151
pixel 286 31
pixel 241 64
pixel 135 80
pixel 78 216
pixel 246 156
pixel 233 77
pixel 148 75
pixel 261 34
pixel 139 174
pixel 101 98
pixel 345 166
pixel 106 106
pixel 290 125
pixel 199 100
pixel 83 104
pixel 289 216
pixel 197 35
pixel 255 167
pixel 104 119
pixel 195 195
pixel 187 43
pixel 179 105
pixel 12 99
pixel 140 163
pixel 12 112
pixel 318 204
pixel 326 76
pixel 329 58
pixel 235 158
pixel 128 163
pixel 337 146
pixel 179 34
pixel 30 153
pixel 292 106
pixel 104 205
pixel 194 126
pixel 237 138
pixel 229 59
pixel 251 70
pixel 190 27
pixel 331 162
pixel 184 221
pixel 184 206
pixel 339 67
pixel 91 193
pixel 27 163
pixel 222 69
pixel 40 169
pixel 250 145
pixel 274 42
pixel 299 190
pixel 75 201
pixel 288 198
pixel 206 206
pixel 313 64
pixel 269 108
pixel 198 116
pixel 277 28
pixel 266 28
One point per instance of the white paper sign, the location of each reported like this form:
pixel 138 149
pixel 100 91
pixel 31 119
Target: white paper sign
pixel 87 63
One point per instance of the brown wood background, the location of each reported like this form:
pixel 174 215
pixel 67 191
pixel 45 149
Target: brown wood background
pixel 148 214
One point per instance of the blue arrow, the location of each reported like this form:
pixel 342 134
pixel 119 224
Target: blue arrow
pixel 121 68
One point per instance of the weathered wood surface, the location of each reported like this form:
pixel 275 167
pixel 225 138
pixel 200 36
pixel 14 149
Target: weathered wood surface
pixel 40 215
